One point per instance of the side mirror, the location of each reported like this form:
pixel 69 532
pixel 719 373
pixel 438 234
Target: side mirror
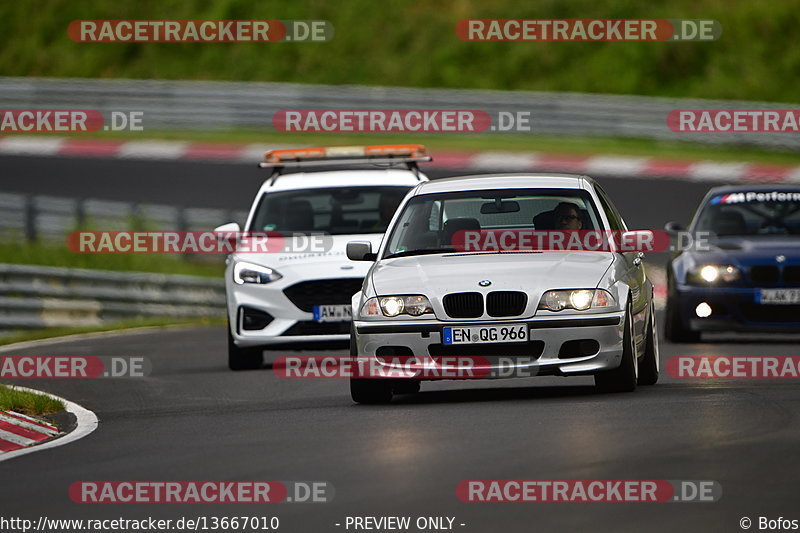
pixel 230 226
pixel 224 231
pixel 673 227
pixel 640 241
pixel 360 251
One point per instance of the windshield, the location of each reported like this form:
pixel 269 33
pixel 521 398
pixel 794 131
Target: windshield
pixel 335 210
pixel 752 213
pixel 429 222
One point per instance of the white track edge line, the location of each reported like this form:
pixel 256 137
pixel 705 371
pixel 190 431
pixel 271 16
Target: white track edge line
pixel 86 420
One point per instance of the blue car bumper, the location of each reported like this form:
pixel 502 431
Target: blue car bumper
pixel 734 309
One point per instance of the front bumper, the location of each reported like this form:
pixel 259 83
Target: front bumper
pixel 734 309
pixel 287 324
pixel 542 354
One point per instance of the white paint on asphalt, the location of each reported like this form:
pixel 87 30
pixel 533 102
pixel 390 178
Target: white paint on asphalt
pixel 86 423
pixel 33 426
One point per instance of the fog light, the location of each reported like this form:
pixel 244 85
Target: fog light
pixel 703 310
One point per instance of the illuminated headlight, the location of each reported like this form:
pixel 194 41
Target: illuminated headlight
pixel 244 272
pixel 392 306
pixel 578 299
pixel 708 274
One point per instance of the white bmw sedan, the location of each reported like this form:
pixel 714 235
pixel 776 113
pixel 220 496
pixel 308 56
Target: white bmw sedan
pixel 432 307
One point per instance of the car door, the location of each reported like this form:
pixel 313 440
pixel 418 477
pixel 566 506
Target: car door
pixel 635 275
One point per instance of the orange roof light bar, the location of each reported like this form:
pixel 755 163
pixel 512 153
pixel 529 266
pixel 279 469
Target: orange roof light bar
pixel 401 152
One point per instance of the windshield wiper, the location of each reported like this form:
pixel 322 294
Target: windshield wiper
pixel 423 251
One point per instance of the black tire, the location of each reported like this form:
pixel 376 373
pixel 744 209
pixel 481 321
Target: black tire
pixel 244 358
pixel 368 390
pixel 648 366
pixel 622 378
pixel 371 391
pixel 674 330
pixel 406 386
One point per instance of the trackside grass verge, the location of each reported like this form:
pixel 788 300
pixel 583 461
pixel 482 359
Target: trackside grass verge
pixel 48 333
pixel 27 403
pixel 58 255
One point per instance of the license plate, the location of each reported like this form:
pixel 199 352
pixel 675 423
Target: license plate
pixel 484 334
pixel 778 296
pixel 333 313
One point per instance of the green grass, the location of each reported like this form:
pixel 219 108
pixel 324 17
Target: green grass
pixel 413 43
pixel 61 256
pixel 48 333
pixel 27 403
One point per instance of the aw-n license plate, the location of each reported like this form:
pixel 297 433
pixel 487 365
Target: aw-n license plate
pixel 333 313
pixel 778 296
pixel 484 334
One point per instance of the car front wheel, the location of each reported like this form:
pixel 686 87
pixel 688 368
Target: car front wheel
pixel 674 330
pixel 368 390
pixel 648 369
pixel 243 358
pixel 623 378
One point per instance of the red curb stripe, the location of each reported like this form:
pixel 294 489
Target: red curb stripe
pixel 560 162
pixel 666 167
pixel 766 173
pixel 213 151
pixel 453 159
pixel 87 147
pixel 6 446
pixel 29 420
pixel 23 432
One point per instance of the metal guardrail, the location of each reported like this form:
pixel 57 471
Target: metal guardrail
pixel 34 297
pixel 50 218
pixel 225 105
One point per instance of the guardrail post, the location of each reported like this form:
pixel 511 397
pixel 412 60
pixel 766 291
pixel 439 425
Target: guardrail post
pixel 80 213
pixel 182 222
pixel 30 218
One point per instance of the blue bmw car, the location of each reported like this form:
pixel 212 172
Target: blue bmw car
pixel 747 277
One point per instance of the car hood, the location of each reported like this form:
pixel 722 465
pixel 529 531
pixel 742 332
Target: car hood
pixel 743 251
pixel 436 275
pixel 331 253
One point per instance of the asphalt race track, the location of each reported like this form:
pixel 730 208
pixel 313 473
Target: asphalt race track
pixel 193 419
pixel 645 203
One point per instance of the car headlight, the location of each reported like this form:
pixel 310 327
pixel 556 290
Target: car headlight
pixel 710 274
pixel 392 306
pixel 244 272
pixel 578 299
